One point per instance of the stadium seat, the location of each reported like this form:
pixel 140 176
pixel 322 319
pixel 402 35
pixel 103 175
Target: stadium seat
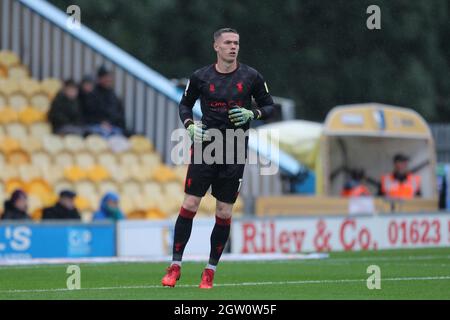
pixel 40 129
pixel 8 144
pixel 29 172
pixel 121 174
pixel 41 159
pixel 13 183
pixel 74 143
pixel 85 188
pixel 96 144
pixel 35 207
pixel 180 171
pixel 18 72
pixel 8 115
pixel 164 174
pixel 130 188
pixel 140 144
pixel 151 160
pixel 3 71
pixel 126 204
pixel 8 86
pixel 82 203
pixel 18 158
pixel 8 58
pixel 31 144
pixel 128 159
pixel 40 101
pixel 41 188
pixel 52 144
pixel 107 160
pixel 9 172
pixel 61 185
pixel 97 173
pixel 30 115
pixel 2 161
pixel 173 188
pixel 64 159
pixel 74 173
pixel 107 186
pixel 52 173
pixel 3 100
pixel 29 86
pixel 16 130
pixel 141 173
pixel 51 86
pixel 18 101
pixel 84 160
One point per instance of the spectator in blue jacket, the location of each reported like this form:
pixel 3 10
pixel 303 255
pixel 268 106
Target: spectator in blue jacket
pixel 109 208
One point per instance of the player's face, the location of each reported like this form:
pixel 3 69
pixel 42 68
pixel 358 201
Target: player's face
pixel 227 47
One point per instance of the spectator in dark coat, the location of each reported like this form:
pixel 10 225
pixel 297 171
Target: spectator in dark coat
pixel 65 114
pixel 85 96
pixel 104 112
pixel 63 209
pixel 16 207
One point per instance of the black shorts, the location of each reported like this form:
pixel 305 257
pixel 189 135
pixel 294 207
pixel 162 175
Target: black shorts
pixel 225 180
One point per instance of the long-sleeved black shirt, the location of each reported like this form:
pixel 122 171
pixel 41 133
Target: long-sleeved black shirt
pixel 218 92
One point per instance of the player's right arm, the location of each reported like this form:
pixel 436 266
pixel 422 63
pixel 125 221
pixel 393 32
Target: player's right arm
pixel 191 94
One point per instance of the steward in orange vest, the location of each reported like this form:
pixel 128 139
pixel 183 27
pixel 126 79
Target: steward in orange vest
pixel 400 184
pixel 355 186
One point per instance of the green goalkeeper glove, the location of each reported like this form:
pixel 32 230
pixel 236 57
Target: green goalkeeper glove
pixel 240 116
pixel 197 132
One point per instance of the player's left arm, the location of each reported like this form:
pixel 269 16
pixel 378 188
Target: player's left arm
pixel 264 102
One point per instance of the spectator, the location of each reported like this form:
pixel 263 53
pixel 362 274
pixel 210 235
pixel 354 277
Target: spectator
pixel 16 207
pixel 65 114
pixel 355 186
pixel 109 208
pixel 104 112
pixel 85 94
pixel 64 208
pixel 401 183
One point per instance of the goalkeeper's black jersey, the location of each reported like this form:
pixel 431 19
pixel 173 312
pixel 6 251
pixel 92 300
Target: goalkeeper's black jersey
pixel 218 92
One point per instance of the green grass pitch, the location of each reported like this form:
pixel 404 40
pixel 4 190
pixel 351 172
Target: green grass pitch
pixel 405 274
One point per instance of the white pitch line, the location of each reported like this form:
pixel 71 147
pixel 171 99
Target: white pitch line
pixel 230 284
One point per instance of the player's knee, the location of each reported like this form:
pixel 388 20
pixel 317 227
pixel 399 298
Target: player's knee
pixel 223 210
pixel 191 203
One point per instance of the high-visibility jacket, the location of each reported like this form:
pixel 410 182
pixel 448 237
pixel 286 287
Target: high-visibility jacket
pixel 356 191
pixel 394 188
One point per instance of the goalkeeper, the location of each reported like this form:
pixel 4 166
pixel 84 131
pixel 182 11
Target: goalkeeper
pixel 225 90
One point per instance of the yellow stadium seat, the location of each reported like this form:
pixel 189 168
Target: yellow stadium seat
pixel 35 206
pixel 18 72
pixel 74 173
pixel 84 160
pixel 164 174
pixel 141 173
pixel 126 204
pixel 18 158
pixel 8 86
pixel 16 130
pixel 8 115
pixel 30 115
pixel 40 101
pixel 82 203
pixel 39 187
pixel 180 171
pixel 152 191
pixel 18 101
pixel 96 144
pixel 29 86
pixel 53 144
pixel 13 184
pixel 97 173
pixel 208 204
pixel 8 58
pixel 173 188
pixel 51 86
pixel 140 144
pixel 40 129
pixel 3 71
pixel 8 144
pixel 156 214
pixel 64 159
pixel 31 144
pixel 2 161
pixel 128 159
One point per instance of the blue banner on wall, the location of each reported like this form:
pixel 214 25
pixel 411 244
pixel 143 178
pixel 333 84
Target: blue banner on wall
pixel 47 240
